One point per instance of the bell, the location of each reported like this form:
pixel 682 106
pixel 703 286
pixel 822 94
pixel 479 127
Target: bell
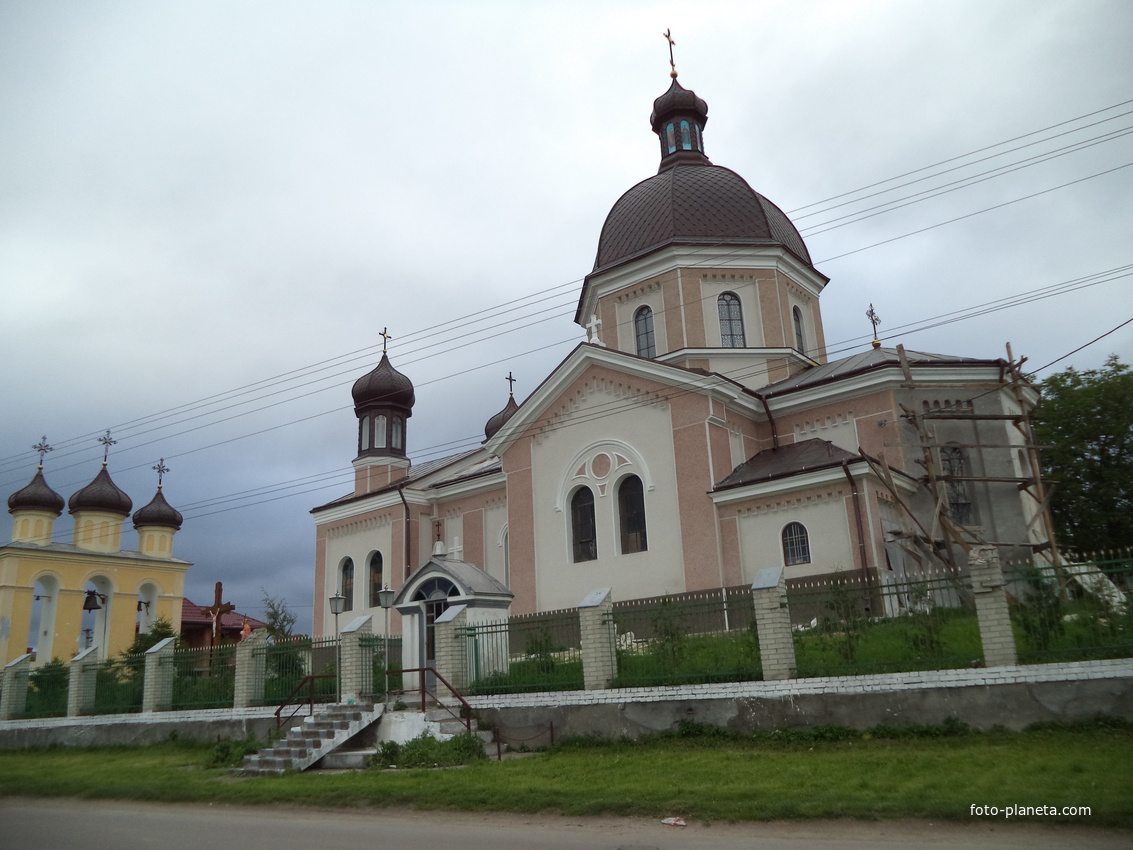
pixel 91 603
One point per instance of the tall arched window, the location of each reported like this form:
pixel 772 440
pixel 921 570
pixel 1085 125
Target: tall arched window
pixel 731 321
pixel 631 515
pixel 347 590
pixel 375 579
pixel 796 544
pixel 364 433
pixel 398 432
pixel 380 431
pixel 584 535
pixel 953 465
pixel 643 331
pixel 800 340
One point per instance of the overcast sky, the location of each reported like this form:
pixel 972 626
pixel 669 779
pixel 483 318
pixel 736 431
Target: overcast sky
pixel 209 211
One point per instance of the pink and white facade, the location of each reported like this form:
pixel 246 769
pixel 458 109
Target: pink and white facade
pixel 698 436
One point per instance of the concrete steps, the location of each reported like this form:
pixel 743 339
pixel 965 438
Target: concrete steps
pixel 312 740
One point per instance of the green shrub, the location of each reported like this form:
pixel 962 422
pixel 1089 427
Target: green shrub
pixel 427 751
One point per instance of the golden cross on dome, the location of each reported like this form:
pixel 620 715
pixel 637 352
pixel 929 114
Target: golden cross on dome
pixel 42 448
pixel 672 65
pixel 385 338
pixel 874 320
pixel 161 469
pixel 107 442
pixel 510 384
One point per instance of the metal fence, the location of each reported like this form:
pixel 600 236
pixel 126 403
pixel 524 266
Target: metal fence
pixel 688 638
pixel 883 624
pixel 1072 612
pixel 527 652
pixel 379 654
pixel 203 678
pixel 119 684
pixel 282 665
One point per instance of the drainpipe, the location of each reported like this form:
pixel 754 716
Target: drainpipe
pixel 770 418
pixel 857 515
pixel 408 560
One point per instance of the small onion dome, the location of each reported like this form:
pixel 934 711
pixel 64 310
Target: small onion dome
pixel 158 512
pixel 383 386
pixel 497 422
pixel 102 494
pixel 37 496
pixel 677 99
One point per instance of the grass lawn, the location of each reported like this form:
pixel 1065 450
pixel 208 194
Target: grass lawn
pixel 706 778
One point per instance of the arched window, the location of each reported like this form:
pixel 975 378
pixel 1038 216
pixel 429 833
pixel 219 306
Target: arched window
pixel 670 138
pixel 631 515
pixel 643 330
pixel 375 579
pixel 348 584
pixel 953 465
pixel 686 142
pixel 583 532
pixel 380 431
pixel 398 432
pixel 796 544
pixel 364 434
pixel 731 321
pixel 800 340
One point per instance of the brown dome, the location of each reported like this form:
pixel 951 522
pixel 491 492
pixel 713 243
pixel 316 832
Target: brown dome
pixel 158 512
pixel 102 494
pixel 37 496
pixel 693 205
pixel 383 386
pixel 497 422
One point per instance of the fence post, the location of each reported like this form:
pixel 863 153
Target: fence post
pixel 157 687
pixel 81 682
pixel 990 591
pixel 599 642
pixel 14 697
pixel 773 624
pixel 250 667
pixel 450 645
pixel 357 664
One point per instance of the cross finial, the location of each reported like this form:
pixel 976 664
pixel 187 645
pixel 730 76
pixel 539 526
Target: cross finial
pixel 161 469
pixel 437 529
pixel 672 64
pixel 385 338
pixel 510 384
pixel 874 320
pixel 592 326
pixel 42 448
pixel 107 442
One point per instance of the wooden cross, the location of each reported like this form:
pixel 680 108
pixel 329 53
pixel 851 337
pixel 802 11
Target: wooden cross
pixel 672 64
pixel 385 338
pixel 510 384
pixel 218 610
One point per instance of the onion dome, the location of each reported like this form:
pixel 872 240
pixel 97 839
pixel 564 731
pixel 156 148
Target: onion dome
pixel 102 494
pixel 37 496
pixel 384 386
pixel 497 422
pixel 690 201
pixel 158 512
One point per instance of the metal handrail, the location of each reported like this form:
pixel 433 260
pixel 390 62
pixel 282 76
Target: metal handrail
pixel 467 713
pixel 308 682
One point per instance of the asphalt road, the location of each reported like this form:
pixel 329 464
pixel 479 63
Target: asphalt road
pixel 111 825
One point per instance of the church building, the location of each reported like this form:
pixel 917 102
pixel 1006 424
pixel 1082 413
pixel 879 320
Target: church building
pixel 696 437
pixel 57 599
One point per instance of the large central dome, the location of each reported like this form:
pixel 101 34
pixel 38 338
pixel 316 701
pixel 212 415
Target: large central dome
pixel 690 201
pixel 693 205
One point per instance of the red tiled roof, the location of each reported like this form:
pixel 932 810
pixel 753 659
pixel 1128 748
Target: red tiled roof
pixel 192 613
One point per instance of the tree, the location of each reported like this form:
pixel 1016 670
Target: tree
pixel 143 641
pixel 278 618
pixel 1086 419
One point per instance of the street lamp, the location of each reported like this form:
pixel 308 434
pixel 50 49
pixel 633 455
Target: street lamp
pixel 385 599
pixel 337 606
